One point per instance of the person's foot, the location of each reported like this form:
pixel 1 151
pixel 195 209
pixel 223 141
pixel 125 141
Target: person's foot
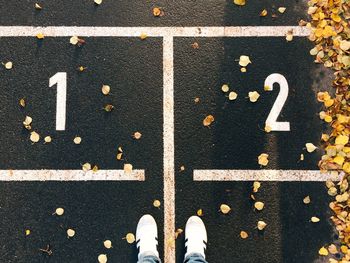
pixel 147 236
pixel 195 236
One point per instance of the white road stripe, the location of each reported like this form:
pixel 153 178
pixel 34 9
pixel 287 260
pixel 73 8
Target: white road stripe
pixel 168 140
pixel 263 175
pixel 229 31
pixel 71 175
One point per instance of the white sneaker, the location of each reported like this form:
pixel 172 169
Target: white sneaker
pixel 195 236
pixel 147 236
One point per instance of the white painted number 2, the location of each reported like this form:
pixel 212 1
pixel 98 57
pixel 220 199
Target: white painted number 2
pixel 60 78
pixel 271 120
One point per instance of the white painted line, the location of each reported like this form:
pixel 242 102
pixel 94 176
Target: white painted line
pixel 71 175
pixel 263 175
pixel 60 78
pixel 168 140
pixel 229 31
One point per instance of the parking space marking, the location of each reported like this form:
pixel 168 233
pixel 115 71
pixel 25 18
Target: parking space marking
pixel 229 31
pixel 263 175
pixel 71 175
pixel 169 149
pixel 168 34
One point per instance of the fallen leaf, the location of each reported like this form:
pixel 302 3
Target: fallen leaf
pixel 86 167
pixel 200 212
pixel 108 107
pixel 74 40
pixel 22 102
pixel 130 238
pixel 47 139
pixel 107 244
pixel 143 36
pixel 289 35
pixel 208 120
pixel 70 232
pixel 37 6
pixel 157 11
pixel 315 219
pixel 59 211
pixel 261 225
pixel 40 36
pixel 263 13
pixel 239 2
pixel 253 96
pixel 256 186
pixel 232 95
pixel 77 140
pixel 156 203
pixel 8 65
pixel 225 208
pixel 323 251
pixel 306 200
pixel 27 232
pixel 243 235
pixel 127 168
pixel 310 147
pixel 137 135
pixel 105 89
pixel 259 205
pixel 282 9
pixel 244 61
pixel 225 88
pixel 102 258
pixel 263 159
pixel 34 137
pixel 98 2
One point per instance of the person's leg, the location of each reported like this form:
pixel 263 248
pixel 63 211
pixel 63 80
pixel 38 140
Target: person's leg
pixel 195 258
pixel 147 240
pixel 196 239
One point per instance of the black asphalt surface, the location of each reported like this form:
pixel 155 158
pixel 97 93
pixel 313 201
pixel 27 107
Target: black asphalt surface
pixel 133 69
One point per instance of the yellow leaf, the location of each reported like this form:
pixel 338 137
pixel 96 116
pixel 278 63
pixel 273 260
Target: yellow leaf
pixel 253 96
pixel 341 140
pixel 105 89
pixel 263 159
pixel 239 2
pixel 225 88
pixel 130 238
pixel 261 225
pixel 107 244
pixel 86 167
pixel 323 251
pixel 156 203
pixel 70 232
pixel 244 61
pixel 225 208
pixel 306 200
pixel 232 95
pixel 27 232
pixel 59 211
pixel 243 235
pixel 256 186
pixel 263 13
pixel 315 219
pixel 339 160
pixel 34 137
pixel 310 147
pixel 40 36
pixel 8 65
pixel 127 168
pixel 98 2
pixel 102 258
pixel 77 140
pixel 259 205
pixel 199 212
pixel 282 9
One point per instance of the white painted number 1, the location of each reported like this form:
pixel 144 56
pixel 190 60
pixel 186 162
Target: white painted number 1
pixel 271 120
pixel 60 78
